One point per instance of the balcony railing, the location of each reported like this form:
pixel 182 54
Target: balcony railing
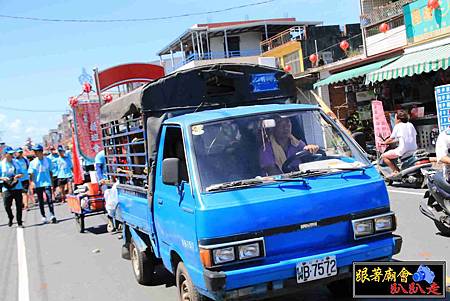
pixel 384 12
pixel 295 33
pixel 217 55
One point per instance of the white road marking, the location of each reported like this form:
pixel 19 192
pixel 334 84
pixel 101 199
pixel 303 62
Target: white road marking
pixel 406 192
pixel 24 293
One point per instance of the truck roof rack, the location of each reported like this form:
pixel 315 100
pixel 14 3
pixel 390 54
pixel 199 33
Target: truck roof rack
pixel 205 87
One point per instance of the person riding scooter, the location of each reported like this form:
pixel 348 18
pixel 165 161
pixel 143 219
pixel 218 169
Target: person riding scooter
pixel 442 154
pixel 405 134
pixel 436 204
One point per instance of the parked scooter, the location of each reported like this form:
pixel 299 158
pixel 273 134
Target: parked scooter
pixel 410 165
pixel 436 202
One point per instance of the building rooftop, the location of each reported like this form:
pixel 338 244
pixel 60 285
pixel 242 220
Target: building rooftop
pixel 232 28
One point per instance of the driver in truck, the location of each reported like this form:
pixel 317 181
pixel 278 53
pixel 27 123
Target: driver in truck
pixel 280 145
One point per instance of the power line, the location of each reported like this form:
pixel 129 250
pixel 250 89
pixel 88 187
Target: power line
pixel 30 110
pixel 135 20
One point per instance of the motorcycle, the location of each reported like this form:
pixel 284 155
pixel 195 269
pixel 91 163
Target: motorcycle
pixel 436 202
pixel 410 165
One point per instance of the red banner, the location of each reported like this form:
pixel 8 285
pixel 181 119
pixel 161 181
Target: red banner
pixel 87 130
pixel 77 170
pixel 380 125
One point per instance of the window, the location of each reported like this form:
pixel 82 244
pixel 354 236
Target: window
pixel 174 148
pixel 293 60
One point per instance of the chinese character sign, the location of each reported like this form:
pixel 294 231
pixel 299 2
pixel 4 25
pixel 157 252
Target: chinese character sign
pixel 399 279
pixel 87 130
pixel 442 95
pixel 380 125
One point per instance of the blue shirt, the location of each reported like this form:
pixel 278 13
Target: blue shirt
pixel 64 169
pixel 10 169
pixel 24 163
pixel 54 158
pixel 100 165
pixel 41 170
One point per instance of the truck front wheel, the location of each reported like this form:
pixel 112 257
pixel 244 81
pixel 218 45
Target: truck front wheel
pixel 143 265
pixel 186 290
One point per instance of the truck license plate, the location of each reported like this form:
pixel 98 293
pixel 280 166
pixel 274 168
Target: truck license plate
pixel 316 269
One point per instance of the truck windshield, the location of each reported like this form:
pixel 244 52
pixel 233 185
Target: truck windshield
pixel 271 145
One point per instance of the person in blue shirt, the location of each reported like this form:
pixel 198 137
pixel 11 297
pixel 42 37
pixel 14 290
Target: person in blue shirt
pixel 40 171
pixel 53 156
pixel 11 171
pixel 24 164
pixel 64 172
pixel 100 166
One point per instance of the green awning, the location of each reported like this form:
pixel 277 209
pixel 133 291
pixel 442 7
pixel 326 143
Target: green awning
pixel 353 73
pixel 427 60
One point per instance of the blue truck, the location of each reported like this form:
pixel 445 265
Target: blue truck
pixel 239 191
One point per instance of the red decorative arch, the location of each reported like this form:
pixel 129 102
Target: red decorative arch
pixel 127 73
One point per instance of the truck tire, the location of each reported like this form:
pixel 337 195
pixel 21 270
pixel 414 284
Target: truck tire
pixel 341 288
pixel 443 228
pixel 186 290
pixel 143 265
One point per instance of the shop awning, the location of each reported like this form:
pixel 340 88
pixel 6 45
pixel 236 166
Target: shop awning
pixel 427 60
pixel 353 73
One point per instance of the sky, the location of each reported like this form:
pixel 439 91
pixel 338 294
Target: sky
pixel 40 62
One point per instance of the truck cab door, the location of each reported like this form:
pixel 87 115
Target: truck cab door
pixel 174 205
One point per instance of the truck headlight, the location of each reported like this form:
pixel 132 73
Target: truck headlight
pixel 374 225
pixel 384 223
pixel 363 228
pixel 249 251
pixel 223 255
pixel 214 255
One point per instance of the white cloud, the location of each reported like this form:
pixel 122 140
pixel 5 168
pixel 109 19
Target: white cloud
pixel 15 126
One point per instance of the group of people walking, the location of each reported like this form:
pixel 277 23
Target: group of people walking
pixel 44 176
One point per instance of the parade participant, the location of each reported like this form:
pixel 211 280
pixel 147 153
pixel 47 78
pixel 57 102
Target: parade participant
pixel 64 172
pixel 100 167
pixel 24 164
pixel 53 156
pixel 405 134
pixel 40 171
pixel 10 174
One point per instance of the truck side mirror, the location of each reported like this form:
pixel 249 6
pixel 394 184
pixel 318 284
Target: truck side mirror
pixel 171 171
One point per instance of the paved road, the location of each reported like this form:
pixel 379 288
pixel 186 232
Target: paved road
pixel 62 265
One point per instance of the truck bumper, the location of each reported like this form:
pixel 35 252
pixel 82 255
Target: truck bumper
pixel 279 278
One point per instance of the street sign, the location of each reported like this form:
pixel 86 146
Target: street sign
pixel 442 95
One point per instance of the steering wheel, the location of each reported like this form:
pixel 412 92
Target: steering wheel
pixel 304 156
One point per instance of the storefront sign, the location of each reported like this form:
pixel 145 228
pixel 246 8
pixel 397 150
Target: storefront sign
pixel 442 95
pixel 87 130
pixel 381 127
pixel 423 23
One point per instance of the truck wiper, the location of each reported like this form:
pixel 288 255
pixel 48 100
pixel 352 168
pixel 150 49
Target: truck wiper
pixel 234 184
pixel 305 173
pixel 252 182
pixel 331 169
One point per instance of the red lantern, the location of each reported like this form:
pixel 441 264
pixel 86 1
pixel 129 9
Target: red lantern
pixel 384 27
pixel 433 4
pixel 313 58
pixel 108 98
pixel 87 87
pixel 73 101
pixel 288 68
pixel 344 45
